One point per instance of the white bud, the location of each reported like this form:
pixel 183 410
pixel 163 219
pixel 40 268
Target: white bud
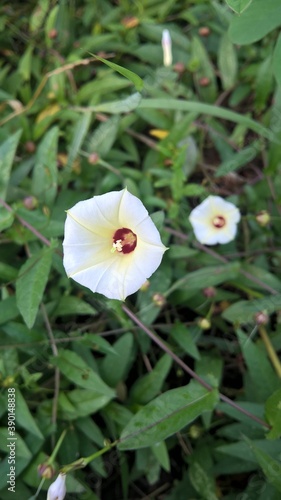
pixel 57 490
pixel 167 48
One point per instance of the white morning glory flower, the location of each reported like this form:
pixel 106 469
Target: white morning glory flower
pixel 167 48
pixel 111 244
pixel 57 490
pixel 215 221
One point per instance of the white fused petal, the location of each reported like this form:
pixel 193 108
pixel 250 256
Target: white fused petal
pixel 57 490
pixel 91 256
pixel 167 48
pixel 215 221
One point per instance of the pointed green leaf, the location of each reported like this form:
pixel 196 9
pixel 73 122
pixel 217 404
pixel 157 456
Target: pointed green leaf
pixel 208 109
pixel 238 5
pixel 273 414
pixel 130 75
pixel 44 180
pixel 24 417
pixel 30 285
pixel 7 153
pixel 271 467
pixel 149 386
pixel 166 415
pixel 79 372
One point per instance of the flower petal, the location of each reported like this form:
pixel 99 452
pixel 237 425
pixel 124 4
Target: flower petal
pixel 202 217
pixel 88 257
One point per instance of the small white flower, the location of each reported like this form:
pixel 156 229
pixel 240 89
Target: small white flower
pixel 215 221
pixel 167 48
pixel 111 244
pixel 57 490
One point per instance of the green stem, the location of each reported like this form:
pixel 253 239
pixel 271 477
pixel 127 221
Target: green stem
pixel 187 369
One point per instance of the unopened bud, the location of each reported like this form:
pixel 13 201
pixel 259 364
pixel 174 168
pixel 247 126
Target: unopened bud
pixel 8 381
pixel 130 22
pixel 204 31
pixel 209 292
pixel 30 146
pixel 30 202
pixel 167 48
pixel 93 158
pixel 53 33
pixel 45 471
pixel 261 318
pixel 195 431
pixel 204 81
pixel 57 490
pixel 159 299
pixel 263 218
pixel 179 68
pixel 204 323
pixel 145 286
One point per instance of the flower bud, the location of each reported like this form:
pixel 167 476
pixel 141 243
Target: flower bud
pixel 57 490
pixel 30 146
pixel 145 286
pixel 130 22
pixel 261 318
pixel 93 158
pixel 45 471
pixel 263 218
pixel 30 202
pixel 209 292
pixel 159 299
pixel 204 31
pixel 167 48
pixel 204 323
pixel 204 81
pixel 195 431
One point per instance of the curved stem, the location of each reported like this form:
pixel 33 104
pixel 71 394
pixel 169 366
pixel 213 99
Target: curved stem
pixel 187 369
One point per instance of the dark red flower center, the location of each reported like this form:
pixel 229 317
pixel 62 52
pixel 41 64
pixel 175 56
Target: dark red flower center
pixel 124 240
pixel 219 221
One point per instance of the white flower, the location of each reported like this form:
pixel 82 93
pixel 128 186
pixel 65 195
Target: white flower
pixel 167 48
pixel 215 221
pixel 57 490
pixel 111 244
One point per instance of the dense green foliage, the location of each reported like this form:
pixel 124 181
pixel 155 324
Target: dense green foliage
pixel 88 107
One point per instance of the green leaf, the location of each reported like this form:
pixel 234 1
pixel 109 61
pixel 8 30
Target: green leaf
pixel 8 309
pixel 81 403
pixel 97 343
pixel 276 61
pixel 243 311
pixel 30 285
pixel 161 454
pixel 78 137
pixel 270 467
pixel 104 136
pixel 227 62
pixel 6 219
pixel 166 415
pixel 44 180
pixel 263 378
pixel 147 387
pixel 208 276
pixel 75 369
pixel 208 109
pixel 239 5
pixel 185 339
pixel 130 75
pixel 239 159
pixel 210 368
pixel 7 153
pixel 69 305
pixel 117 107
pixel 24 417
pixel 273 414
pixel 25 63
pixel 256 21
pixel 202 482
pixel 115 366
